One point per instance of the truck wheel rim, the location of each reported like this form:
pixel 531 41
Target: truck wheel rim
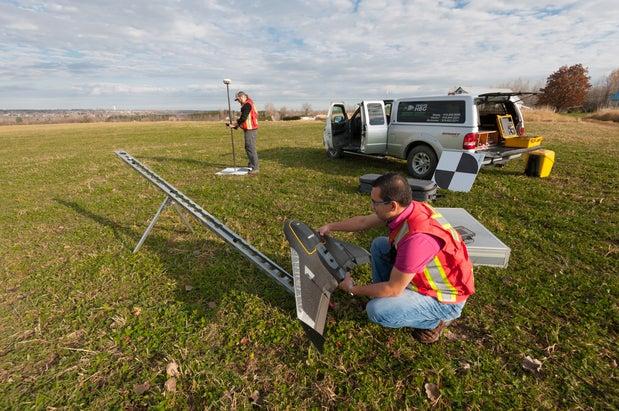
pixel 421 163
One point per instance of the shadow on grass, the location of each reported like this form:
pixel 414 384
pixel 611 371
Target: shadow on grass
pixel 120 232
pixel 189 161
pixel 316 159
pixel 211 268
pixel 500 171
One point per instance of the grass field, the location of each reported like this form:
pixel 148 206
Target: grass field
pixel 84 323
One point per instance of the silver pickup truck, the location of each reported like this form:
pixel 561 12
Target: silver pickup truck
pixel 417 129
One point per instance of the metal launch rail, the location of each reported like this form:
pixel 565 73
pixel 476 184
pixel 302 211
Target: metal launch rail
pixel 177 199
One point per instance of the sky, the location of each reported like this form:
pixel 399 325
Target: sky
pixel 174 54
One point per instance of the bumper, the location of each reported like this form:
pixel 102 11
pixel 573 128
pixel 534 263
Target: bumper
pixel 501 155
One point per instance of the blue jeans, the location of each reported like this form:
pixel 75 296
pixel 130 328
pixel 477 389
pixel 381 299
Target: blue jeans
pixel 409 309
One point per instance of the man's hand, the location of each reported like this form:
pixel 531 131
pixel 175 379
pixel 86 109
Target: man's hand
pixel 324 230
pixel 347 284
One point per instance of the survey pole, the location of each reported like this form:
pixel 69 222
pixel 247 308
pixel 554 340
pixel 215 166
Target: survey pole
pixel 227 83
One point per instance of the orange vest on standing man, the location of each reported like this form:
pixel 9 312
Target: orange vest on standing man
pixel 448 277
pixel 251 123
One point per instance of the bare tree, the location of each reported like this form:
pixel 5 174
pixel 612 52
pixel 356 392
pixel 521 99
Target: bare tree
pixel 283 112
pixel 599 95
pixel 612 83
pixel 351 109
pixel 270 110
pixel 306 108
pixel 520 84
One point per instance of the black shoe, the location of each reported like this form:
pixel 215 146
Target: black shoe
pixel 430 336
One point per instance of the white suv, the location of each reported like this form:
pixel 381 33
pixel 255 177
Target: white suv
pixel 419 128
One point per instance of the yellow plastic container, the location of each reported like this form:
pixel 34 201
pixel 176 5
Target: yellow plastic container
pixel 524 142
pixel 507 130
pixel 539 163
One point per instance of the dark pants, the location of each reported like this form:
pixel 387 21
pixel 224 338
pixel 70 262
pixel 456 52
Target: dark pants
pixel 250 148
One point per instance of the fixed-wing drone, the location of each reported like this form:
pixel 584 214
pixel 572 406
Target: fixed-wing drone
pixel 319 264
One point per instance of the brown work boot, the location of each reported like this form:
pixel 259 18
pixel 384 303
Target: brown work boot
pixel 430 336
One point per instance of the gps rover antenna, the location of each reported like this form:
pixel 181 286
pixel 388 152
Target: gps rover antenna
pixel 227 82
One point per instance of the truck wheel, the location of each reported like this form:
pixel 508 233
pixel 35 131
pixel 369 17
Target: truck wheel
pixel 421 162
pixel 334 153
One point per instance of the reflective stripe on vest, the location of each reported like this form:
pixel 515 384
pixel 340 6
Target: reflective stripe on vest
pixel 403 231
pixel 435 274
pixel 404 228
pixel 445 224
pixel 435 278
pixel 251 122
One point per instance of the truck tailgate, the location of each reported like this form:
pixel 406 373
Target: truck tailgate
pixel 501 154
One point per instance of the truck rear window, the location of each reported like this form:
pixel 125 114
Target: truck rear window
pixel 431 111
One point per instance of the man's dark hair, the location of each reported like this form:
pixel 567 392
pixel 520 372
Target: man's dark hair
pixel 394 187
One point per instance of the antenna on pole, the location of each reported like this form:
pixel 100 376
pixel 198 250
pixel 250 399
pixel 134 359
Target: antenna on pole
pixel 232 171
pixel 227 82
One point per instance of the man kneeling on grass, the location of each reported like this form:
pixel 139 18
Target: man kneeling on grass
pixel 421 273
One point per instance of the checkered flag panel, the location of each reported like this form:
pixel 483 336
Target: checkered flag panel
pixel 457 170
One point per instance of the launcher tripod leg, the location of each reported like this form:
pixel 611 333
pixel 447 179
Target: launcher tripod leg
pixel 182 216
pixel 163 205
pixel 166 202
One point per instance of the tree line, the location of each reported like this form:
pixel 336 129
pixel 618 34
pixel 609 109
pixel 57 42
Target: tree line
pixel 570 89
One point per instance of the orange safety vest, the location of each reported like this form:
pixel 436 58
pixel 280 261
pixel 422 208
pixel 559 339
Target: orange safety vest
pixel 251 123
pixel 448 277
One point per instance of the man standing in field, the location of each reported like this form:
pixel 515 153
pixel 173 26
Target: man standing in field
pixel 248 121
pixel 421 273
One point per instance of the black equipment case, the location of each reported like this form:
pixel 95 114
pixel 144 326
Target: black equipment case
pixel 423 190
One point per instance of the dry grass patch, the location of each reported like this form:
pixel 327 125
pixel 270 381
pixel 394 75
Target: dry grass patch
pixel 606 115
pixel 546 114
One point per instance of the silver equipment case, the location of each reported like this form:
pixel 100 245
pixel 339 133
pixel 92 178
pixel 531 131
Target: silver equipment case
pixel 485 248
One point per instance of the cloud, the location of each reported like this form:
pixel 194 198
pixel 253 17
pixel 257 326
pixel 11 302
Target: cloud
pixel 290 53
pixel 22 25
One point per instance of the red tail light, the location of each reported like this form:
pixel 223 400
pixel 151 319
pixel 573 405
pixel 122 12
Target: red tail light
pixel 521 131
pixel 470 141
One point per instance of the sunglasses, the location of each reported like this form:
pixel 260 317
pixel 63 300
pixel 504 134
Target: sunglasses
pixel 375 203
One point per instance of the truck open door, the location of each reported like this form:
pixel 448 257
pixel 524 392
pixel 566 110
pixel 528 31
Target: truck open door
pixel 373 127
pixel 335 135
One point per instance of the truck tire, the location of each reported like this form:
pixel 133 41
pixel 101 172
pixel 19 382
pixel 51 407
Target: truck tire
pixel 421 162
pixel 334 153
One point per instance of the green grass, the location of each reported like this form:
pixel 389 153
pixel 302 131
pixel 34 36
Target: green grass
pixel 70 286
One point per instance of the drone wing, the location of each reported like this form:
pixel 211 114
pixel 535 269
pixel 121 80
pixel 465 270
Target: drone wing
pixel 317 268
